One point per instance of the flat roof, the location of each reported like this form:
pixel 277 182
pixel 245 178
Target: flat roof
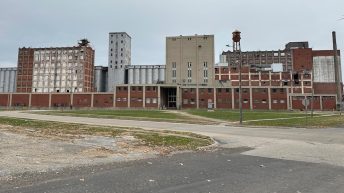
pixel 8 68
pixel 196 35
pixel 119 33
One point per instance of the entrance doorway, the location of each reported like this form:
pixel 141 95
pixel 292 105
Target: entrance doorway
pixel 169 98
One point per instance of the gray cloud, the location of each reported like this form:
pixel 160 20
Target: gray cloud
pixel 265 24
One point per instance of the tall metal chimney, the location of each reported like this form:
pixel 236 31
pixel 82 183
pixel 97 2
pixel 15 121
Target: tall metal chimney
pixel 337 69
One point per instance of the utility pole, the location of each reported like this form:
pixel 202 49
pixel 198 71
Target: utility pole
pixel 312 107
pixel 337 73
pixel 237 49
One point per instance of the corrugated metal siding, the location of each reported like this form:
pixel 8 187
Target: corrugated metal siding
pixel 100 78
pixel 8 77
pixel 146 74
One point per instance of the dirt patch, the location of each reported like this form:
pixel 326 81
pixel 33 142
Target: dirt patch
pixel 26 151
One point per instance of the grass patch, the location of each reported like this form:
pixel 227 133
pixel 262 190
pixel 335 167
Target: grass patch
pixel 126 114
pixel 175 140
pixel 233 116
pixel 310 122
pixel 289 119
pixel 50 128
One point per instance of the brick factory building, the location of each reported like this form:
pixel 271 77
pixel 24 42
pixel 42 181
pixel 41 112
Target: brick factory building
pixel 271 80
pixel 59 69
pixel 189 62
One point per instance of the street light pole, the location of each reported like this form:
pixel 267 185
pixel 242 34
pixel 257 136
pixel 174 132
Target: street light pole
pixel 237 50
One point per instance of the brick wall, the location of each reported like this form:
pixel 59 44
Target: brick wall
pixel 40 100
pixel 329 103
pixel 189 98
pixel 60 100
pixel 325 88
pixel 122 96
pixel 25 70
pixel 224 98
pixel 82 100
pixel 103 100
pixel 279 98
pixel 20 100
pixel 4 100
pixel 260 98
pixel 302 59
pixel 245 98
pixel 151 97
pixel 206 95
pixel 136 96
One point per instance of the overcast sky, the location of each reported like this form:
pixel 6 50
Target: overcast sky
pixel 265 24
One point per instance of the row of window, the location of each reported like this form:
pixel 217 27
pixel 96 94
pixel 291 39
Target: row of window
pixel 57 65
pixel 116 42
pixel 42 76
pixel 190 38
pixel 174 72
pixel 116 62
pixel 122 35
pixel 262 54
pixel 57 89
pixel 71 80
pixel 189 64
pixel 314 98
pixel 121 66
pixel 261 61
pixel 49 52
pixel 189 72
pixel 64 57
pixel 227 90
pixel 116 55
pixel 148 100
pixel 228 101
pixel 138 88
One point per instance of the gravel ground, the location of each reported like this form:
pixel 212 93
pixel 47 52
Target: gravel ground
pixel 22 153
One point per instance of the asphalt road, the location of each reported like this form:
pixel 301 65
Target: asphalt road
pixel 249 160
pixel 298 144
pixel 225 170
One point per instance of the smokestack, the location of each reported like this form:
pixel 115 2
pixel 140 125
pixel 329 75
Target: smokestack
pixel 337 69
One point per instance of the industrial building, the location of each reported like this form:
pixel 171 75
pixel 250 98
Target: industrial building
pixel 145 74
pixel 8 78
pixel 100 78
pixel 58 69
pixel 272 80
pixel 119 58
pixel 133 74
pixel 190 60
pixel 262 86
